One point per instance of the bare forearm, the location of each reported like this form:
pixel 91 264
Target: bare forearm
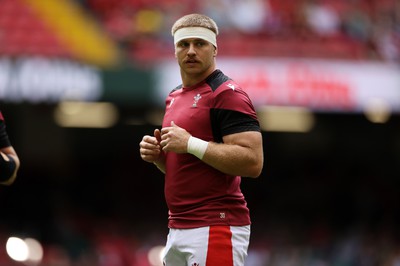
pixel 239 154
pixel 234 159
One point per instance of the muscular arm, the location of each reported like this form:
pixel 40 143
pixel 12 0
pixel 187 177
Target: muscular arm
pixel 241 153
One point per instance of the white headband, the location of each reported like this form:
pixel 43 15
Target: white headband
pixel 195 32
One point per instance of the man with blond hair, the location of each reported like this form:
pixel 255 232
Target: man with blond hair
pixel 210 138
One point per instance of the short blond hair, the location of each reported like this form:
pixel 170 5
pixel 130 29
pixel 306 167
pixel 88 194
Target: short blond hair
pixel 195 20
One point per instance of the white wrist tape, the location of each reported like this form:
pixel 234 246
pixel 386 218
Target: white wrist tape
pixel 197 147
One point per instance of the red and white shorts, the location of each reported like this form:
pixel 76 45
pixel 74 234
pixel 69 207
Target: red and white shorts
pixel 217 245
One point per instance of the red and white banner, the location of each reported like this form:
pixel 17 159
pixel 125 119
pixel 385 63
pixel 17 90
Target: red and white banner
pixel 321 85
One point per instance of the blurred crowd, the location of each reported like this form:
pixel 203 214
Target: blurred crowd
pixel 357 246
pixel 349 29
pixel 332 29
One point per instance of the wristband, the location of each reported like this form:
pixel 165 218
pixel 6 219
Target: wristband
pixel 197 147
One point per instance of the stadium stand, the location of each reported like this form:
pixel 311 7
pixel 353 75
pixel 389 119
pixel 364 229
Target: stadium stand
pixel 356 30
pixel 23 33
pixel 313 28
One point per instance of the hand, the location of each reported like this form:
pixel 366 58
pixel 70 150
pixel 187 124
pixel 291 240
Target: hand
pixel 174 138
pixel 150 148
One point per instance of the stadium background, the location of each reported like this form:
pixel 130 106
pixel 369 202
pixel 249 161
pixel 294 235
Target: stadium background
pixel 328 195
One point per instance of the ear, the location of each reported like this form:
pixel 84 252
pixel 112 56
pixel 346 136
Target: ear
pixel 215 52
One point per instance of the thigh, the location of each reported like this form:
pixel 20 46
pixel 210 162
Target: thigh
pixel 171 255
pixel 186 247
pixel 240 244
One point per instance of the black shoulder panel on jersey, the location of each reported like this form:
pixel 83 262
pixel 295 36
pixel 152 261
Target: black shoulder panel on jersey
pixel 216 79
pixel 225 122
pixel 176 88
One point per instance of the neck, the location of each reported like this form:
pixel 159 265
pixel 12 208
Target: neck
pixel 189 79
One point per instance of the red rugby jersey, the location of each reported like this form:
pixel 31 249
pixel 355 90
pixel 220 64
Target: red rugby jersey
pixel 197 194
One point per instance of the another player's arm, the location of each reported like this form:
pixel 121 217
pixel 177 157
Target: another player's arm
pixel 9 165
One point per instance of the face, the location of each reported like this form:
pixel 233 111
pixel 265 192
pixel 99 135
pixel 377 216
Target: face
pixel 195 56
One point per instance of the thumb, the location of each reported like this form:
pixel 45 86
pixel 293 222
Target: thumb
pixel 173 124
pixel 157 135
